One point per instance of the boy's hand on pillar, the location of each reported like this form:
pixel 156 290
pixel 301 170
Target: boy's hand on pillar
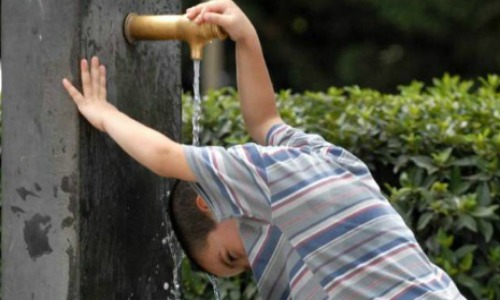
pixel 92 104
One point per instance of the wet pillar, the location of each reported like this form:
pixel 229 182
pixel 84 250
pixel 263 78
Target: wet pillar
pixel 80 219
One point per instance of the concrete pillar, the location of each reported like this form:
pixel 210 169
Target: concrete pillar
pixel 80 219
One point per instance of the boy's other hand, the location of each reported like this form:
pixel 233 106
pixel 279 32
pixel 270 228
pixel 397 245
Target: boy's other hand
pixel 92 104
pixel 224 13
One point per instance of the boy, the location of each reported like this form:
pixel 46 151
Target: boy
pixel 304 215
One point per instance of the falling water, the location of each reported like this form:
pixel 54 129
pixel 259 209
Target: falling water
pixel 196 104
pixel 170 240
pixel 196 140
pixel 213 281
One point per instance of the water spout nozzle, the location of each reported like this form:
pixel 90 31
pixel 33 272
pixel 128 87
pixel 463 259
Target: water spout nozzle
pixel 171 27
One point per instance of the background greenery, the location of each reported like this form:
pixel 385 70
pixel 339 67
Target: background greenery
pixel 433 149
pixel 314 44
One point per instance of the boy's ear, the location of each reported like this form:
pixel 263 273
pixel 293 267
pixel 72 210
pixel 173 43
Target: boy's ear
pixel 202 205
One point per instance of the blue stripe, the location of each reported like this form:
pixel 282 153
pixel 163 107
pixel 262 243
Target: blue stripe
pixel 266 252
pixel 281 156
pixel 220 185
pixel 358 171
pixel 368 256
pixel 418 290
pixel 304 183
pixel 295 269
pixel 286 294
pixel 255 159
pixel 336 151
pixel 338 230
pixel 332 216
pixel 410 279
pixel 272 130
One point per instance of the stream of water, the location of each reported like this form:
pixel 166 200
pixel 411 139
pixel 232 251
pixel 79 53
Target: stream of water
pixel 196 104
pixel 177 253
pixel 196 140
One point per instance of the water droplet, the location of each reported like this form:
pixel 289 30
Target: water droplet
pixel 166 286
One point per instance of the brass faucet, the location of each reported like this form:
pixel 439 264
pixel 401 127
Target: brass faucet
pixel 171 27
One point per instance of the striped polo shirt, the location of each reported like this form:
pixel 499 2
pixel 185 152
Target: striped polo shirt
pixel 314 222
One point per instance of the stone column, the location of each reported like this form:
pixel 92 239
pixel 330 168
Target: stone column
pixel 80 219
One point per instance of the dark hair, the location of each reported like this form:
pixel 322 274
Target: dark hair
pixel 191 226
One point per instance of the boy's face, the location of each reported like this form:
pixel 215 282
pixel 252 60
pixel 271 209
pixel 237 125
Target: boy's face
pixel 224 255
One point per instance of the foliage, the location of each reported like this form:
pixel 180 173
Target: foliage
pixel 197 286
pixel 435 150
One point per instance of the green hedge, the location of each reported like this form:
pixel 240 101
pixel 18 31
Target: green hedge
pixel 434 150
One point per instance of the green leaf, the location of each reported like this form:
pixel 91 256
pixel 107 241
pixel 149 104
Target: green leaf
pixel 481 271
pixel 483 194
pixel 461 188
pixel 484 212
pixel 486 228
pixel 466 262
pixel 467 222
pixel 462 251
pixel 424 162
pixel 467 280
pixel 479 177
pixel 465 162
pixel 424 220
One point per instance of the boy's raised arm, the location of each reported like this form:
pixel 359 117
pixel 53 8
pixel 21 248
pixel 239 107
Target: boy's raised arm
pixel 257 99
pixel 150 148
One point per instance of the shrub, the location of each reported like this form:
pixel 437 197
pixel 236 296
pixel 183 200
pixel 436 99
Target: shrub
pixel 434 150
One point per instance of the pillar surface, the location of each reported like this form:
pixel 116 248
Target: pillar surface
pixel 80 219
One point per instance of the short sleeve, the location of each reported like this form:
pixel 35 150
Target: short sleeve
pixel 233 181
pixel 287 136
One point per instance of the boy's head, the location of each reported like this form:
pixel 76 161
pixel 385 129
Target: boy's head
pixel 214 247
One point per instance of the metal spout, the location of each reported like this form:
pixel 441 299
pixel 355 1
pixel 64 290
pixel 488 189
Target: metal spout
pixel 171 27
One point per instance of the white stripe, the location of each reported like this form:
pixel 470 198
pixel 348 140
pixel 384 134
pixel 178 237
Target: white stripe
pixel 278 250
pixel 334 220
pixel 346 241
pixel 334 183
pixel 381 265
pixel 258 244
pixel 303 281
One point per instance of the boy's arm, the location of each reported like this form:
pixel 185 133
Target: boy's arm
pixel 152 149
pixel 258 105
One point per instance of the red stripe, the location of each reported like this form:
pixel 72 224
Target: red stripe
pixel 401 271
pixel 276 132
pixel 326 262
pixel 410 286
pixel 299 276
pixel 362 269
pixel 261 248
pixel 361 211
pixel 228 186
pixel 290 174
pixel 317 208
pixel 283 267
pixel 308 189
pixel 313 292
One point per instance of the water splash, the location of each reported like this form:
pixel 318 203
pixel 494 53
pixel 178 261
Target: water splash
pixel 213 281
pixel 196 104
pixel 177 257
